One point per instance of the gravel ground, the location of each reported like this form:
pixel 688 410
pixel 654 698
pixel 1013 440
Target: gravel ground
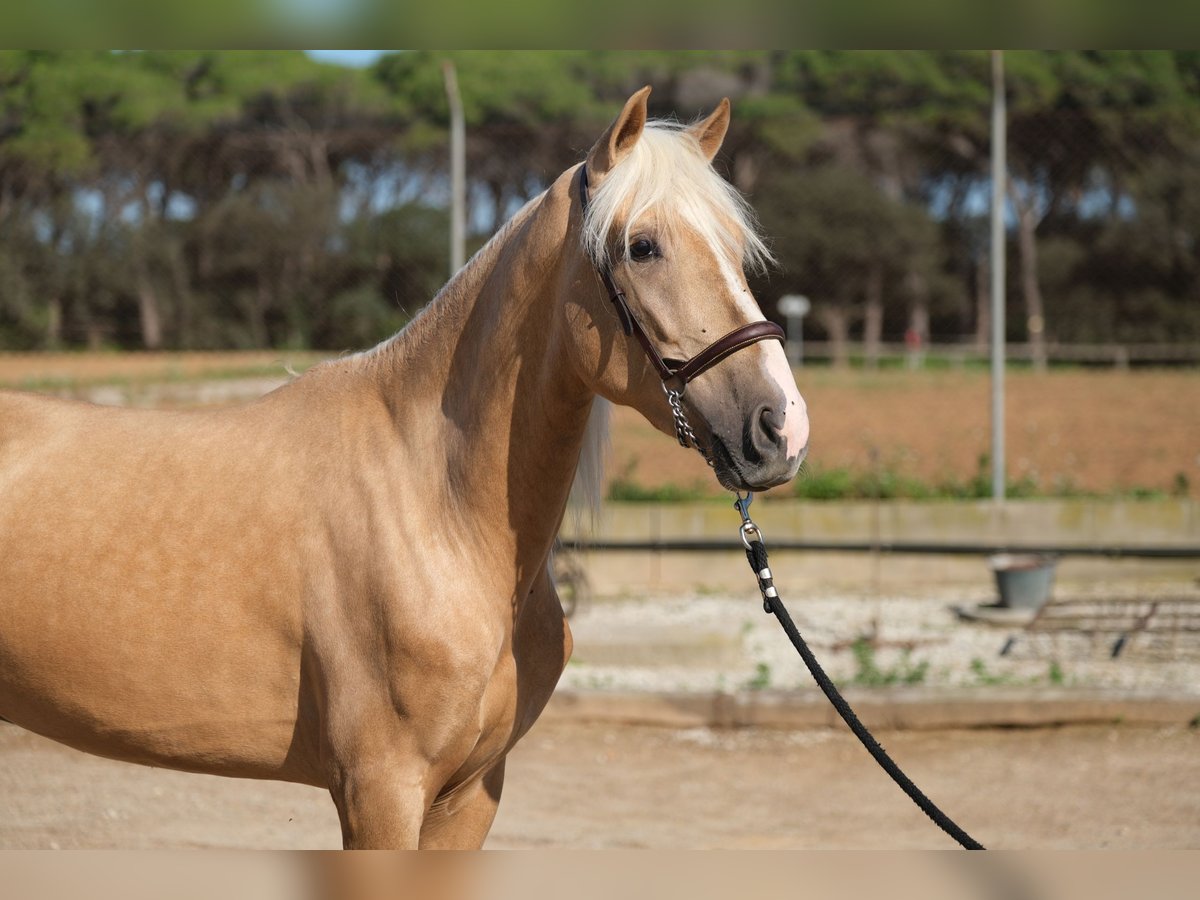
pixel 705 643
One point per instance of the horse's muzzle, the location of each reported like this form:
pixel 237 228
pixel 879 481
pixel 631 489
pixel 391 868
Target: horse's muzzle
pixel 763 454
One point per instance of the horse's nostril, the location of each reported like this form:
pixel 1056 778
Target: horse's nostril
pixel 771 423
pixel 762 437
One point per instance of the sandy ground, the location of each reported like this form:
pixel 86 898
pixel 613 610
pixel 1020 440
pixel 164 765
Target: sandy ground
pixel 591 785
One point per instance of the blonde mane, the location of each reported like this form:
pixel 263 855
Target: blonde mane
pixel 667 179
pixel 587 490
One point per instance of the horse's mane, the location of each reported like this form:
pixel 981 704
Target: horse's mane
pixel 587 491
pixel 667 178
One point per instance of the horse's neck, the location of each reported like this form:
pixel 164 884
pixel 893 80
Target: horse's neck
pixel 485 371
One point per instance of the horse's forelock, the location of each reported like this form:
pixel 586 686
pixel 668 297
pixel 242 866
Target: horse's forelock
pixel 667 177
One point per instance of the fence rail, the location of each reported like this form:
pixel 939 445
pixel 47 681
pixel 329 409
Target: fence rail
pixel 918 548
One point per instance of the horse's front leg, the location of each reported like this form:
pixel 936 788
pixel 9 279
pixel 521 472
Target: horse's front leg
pixel 392 798
pixel 541 647
pixel 381 799
pixel 462 820
pixel 390 744
pixel 386 762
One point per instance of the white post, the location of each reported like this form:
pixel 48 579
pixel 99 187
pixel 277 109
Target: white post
pixel 458 168
pixel 794 307
pixel 999 179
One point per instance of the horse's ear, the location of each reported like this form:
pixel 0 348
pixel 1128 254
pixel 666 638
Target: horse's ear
pixel 615 144
pixel 710 132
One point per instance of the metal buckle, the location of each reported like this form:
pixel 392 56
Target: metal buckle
pixel 748 531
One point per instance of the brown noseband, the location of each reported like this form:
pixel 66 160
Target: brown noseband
pixel 679 371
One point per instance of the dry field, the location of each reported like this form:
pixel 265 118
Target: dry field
pixel 54 370
pixel 1097 430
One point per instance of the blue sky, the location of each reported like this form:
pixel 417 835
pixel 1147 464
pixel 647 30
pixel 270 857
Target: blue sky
pixel 347 57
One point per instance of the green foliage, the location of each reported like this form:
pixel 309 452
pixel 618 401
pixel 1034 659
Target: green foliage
pixel 871 83
pixel 761 679
pixel 260 198
pixel 888 483
pixel 497 86
pixel 1181 485
pixel 624 489
pixel 1055 675
pixel 988 678
pixel 827 484
pixel 869 674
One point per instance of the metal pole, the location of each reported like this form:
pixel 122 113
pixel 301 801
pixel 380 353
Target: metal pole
pixel 999 179
pixel 793 339
pixel 458 168
pixel 794 307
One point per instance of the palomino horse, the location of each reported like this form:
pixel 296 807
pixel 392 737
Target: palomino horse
pixel 344 583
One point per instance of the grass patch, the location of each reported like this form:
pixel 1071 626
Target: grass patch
pixel 890 483
pixel 985 677
pixel 870 674
pixel 762 678
pixel 843 484
pixel 626 488
pixel 1055 674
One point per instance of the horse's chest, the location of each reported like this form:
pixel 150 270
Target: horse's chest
pixel 521 683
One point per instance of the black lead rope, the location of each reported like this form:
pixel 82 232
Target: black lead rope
pixel 756 554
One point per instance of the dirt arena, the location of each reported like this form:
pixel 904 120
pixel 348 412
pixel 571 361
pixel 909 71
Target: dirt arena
pixel 573 784
pixel 585 785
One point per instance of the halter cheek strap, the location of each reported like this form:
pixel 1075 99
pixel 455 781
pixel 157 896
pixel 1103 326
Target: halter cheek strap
pixel 680 371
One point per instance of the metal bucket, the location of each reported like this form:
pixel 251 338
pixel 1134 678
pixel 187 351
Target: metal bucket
pixel 1024 580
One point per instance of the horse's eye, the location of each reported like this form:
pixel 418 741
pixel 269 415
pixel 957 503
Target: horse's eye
pixel 643 248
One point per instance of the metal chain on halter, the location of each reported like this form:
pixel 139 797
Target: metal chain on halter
pixel 756 554
pixel 683 428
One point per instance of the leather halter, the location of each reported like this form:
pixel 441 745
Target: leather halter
pixel 679 370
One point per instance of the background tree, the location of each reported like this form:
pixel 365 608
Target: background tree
pixel 201 199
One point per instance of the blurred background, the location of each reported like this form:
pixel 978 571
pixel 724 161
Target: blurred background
pixel 221 200
pixel 299 201
pixel 182 229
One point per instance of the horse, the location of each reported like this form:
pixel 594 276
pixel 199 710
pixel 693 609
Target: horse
pixel 344 583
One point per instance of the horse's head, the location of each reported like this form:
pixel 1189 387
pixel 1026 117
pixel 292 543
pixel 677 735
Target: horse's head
pixel 664 230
